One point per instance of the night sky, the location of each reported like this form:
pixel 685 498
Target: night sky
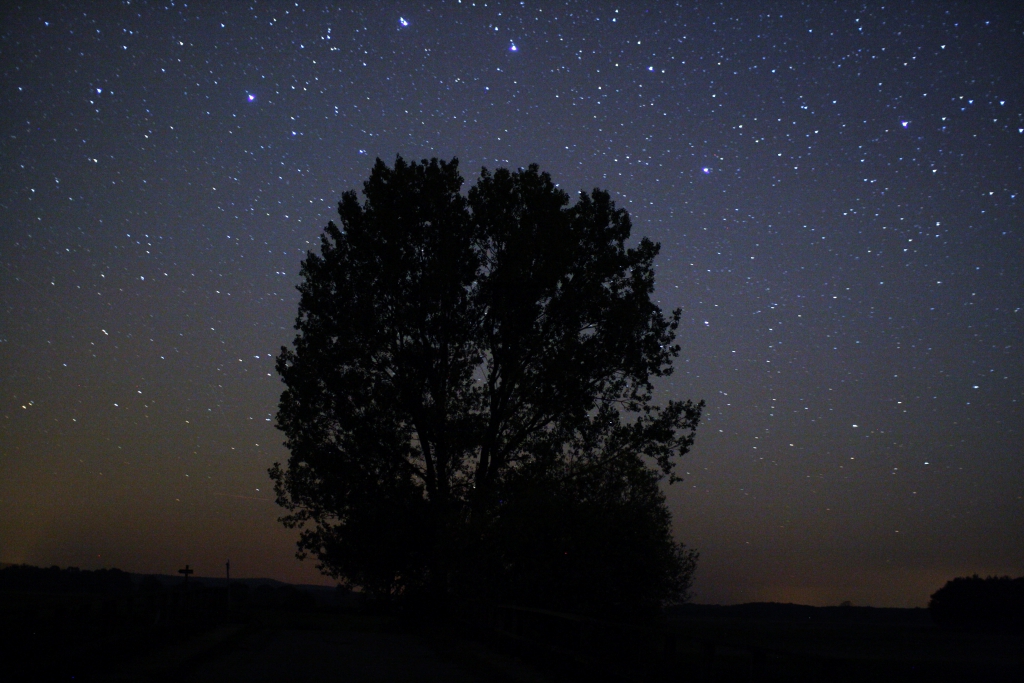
pixel 837 189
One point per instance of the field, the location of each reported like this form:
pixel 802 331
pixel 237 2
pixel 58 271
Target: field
pixel 900 648
pixel 766 642
pixel 280 634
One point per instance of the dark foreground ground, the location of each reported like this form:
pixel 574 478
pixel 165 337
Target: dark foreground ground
pixel 354 652
pixel 281 637
pixel 799 643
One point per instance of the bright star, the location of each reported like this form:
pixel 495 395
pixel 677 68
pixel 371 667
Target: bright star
pixel 512 47
pixel 402 21
pixel 706 169
pixel 252 98
pixel 904 123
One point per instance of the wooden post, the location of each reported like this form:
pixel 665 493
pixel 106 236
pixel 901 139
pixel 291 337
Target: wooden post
pixel 186 571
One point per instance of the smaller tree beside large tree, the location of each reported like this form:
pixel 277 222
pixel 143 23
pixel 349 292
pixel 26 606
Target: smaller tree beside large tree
pixel 469 401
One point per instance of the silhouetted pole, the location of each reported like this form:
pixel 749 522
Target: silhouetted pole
pixel 227 569
pixel 186 571
pixel 184 596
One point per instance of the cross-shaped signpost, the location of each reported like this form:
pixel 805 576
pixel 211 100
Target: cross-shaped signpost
pixel 186 571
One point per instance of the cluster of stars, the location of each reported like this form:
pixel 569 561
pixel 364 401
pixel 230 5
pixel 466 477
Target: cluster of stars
pixel 836 192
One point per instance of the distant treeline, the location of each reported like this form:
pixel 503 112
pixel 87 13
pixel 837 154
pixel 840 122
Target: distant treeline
pixel 996 602
pixel 23 577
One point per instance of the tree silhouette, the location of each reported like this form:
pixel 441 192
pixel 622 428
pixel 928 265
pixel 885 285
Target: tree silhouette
pixel 995 602
pixel 467 367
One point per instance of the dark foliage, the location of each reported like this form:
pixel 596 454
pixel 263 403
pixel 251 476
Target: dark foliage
pixel 468 402
pixel 590 538
pixel 996 602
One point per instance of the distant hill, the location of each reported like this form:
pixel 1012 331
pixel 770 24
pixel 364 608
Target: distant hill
pixel 788 612
pixel 23 577
pixel 71 579
pixel 319 592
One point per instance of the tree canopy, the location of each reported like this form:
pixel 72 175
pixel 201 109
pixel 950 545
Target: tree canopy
pixel 469 400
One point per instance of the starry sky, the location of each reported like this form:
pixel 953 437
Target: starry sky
pixel 836 188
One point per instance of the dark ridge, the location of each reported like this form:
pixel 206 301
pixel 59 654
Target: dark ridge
pixel 778 611
pixel 23 577
pixel 322 594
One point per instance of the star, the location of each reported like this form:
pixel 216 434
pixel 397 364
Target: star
pixel 806 222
